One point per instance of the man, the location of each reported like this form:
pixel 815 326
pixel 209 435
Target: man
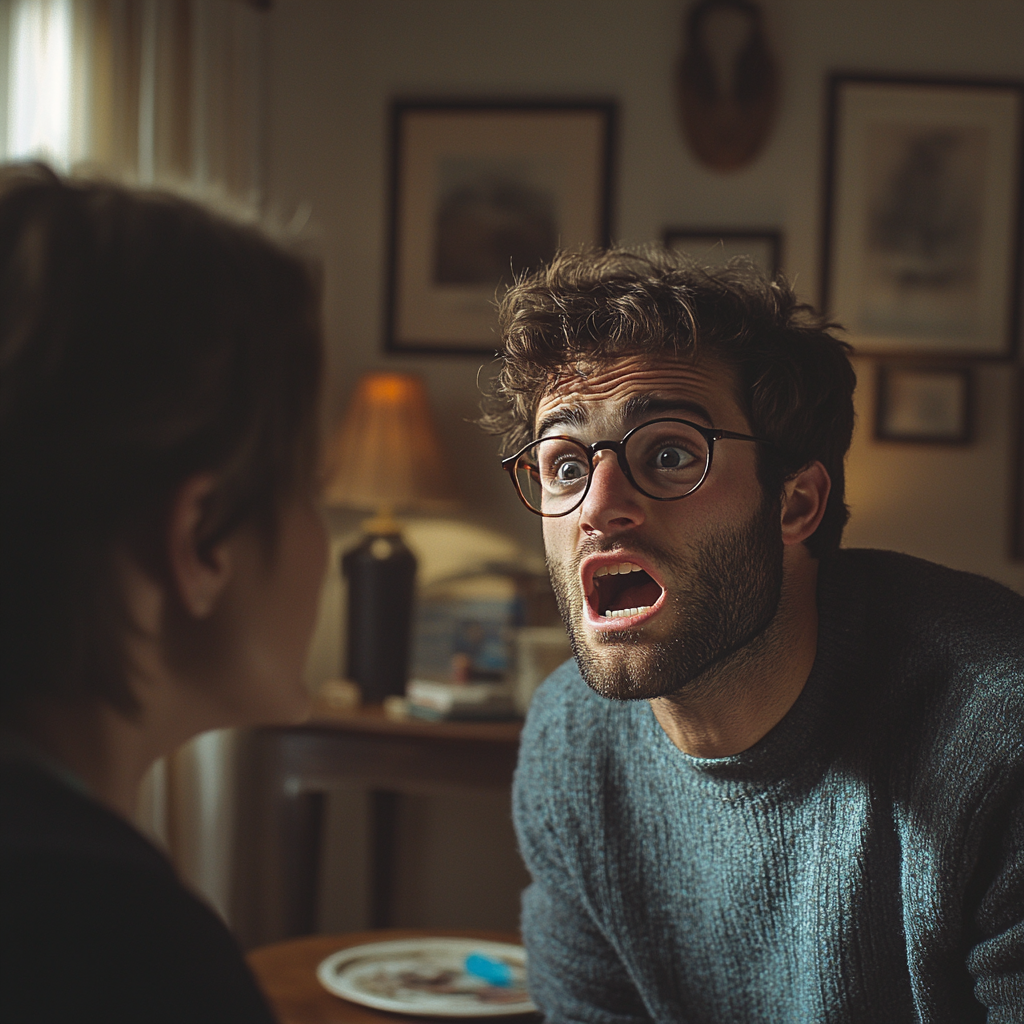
pixel 780 781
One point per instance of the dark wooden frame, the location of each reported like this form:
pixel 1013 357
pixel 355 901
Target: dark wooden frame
pixel 710 236
pixel 402 108
pixel 883 432
pixel 836 82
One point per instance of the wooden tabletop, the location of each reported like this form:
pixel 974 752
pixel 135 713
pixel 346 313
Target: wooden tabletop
pixel 287 973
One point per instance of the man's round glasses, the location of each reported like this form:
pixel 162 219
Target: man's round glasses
pixel 664 459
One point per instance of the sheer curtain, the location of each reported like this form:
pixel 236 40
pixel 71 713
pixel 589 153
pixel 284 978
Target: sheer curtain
pixel 152 92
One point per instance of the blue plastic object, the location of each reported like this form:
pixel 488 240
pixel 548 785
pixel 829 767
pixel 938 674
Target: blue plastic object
pixel 496 972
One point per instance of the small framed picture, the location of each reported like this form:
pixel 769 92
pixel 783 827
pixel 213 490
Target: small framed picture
pixel 922 242
pixel 712 247
pixel 924 404
pixel 481 193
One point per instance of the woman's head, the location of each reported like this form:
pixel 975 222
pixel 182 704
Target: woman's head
pixel 144 342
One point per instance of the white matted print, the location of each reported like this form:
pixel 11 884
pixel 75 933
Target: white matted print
pixel 482 193
pixel 922 226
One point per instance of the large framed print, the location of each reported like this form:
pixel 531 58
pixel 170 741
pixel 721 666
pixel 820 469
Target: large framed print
pixel 922 241
pixel 482 192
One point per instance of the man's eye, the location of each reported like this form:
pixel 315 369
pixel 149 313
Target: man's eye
pixel 570 470
pixel 671 457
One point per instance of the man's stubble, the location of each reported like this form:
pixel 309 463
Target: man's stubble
pixel 725 594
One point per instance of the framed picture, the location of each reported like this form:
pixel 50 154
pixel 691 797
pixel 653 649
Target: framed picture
pixel 924 403
pixel 482 192
pixel 713 247
pixel 922 242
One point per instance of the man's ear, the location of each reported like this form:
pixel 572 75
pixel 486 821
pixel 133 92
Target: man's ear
pixel 804 496
pixel 198 574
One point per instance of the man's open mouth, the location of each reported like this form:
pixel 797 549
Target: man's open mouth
pixel 620 590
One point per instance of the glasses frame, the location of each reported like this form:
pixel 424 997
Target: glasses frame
pixel 710 435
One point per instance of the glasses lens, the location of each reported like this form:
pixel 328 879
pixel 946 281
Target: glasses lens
pixel 667 459
pixel 552 475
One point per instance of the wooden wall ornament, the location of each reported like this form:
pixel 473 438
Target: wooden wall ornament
pixel 727 83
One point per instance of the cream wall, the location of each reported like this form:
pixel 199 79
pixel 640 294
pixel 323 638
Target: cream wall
pixel 334 65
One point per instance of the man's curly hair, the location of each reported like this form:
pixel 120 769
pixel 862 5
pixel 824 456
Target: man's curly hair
pixel 587 307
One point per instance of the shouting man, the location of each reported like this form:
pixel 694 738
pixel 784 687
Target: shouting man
pixel 780 781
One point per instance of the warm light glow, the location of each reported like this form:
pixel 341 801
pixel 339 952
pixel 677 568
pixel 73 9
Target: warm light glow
pixel 390 387
pixel 386 453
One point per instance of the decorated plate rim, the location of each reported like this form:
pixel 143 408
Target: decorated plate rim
pixel 326 973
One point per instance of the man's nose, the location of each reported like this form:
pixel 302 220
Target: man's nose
pixel 612 504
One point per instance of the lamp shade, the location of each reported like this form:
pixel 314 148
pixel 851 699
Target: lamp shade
pixel 386 453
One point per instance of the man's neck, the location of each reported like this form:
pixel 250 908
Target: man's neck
pixel 739 701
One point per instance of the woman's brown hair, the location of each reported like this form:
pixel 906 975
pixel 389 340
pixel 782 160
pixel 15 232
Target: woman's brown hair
pixel 143 339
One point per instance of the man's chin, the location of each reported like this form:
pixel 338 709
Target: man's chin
pixel 623 668
pixel 720 598
pixel 628 666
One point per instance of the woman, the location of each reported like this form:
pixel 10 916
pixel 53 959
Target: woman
pixel 160 560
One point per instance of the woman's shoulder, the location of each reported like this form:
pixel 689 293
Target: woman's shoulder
pixel 42 816
pixel 94 923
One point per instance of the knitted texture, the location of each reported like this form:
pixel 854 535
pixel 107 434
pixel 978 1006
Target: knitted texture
pixel 864 861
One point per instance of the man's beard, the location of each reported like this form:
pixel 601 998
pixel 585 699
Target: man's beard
pixel 725 594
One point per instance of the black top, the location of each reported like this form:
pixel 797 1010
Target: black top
pixel 95 925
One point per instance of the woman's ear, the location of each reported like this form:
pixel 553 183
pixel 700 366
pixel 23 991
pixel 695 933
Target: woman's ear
pixel 199 574
pixel 804 497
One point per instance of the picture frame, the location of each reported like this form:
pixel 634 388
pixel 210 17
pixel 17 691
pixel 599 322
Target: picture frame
pixel 482 191
pixel 716 246
pixel 924 403
pixel 921 251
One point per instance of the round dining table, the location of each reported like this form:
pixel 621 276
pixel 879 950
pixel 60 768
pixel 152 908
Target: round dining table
pixel 286 972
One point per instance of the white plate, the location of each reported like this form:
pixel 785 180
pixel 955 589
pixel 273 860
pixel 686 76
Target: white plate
pixel 426 977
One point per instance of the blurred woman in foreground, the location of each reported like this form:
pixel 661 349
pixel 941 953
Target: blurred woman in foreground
pixel 160 561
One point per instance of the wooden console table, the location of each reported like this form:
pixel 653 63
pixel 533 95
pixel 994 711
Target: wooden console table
pixel 283 774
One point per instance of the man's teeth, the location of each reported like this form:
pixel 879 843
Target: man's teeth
pixel 617 569
pixel 622 612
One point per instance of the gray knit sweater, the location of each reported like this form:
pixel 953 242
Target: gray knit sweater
pixel 863 862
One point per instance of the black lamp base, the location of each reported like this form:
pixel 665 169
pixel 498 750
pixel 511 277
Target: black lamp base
pixel 381 575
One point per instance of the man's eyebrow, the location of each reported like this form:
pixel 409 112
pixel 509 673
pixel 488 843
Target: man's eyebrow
pixel 573 416
pixel 643 405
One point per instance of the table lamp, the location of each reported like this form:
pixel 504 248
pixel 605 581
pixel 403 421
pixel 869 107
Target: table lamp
pixel 386 456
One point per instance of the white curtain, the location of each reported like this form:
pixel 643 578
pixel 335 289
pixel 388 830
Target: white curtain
pixel 153 92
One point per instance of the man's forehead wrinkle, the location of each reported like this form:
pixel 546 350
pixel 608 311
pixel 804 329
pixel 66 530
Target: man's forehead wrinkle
pixel 619 391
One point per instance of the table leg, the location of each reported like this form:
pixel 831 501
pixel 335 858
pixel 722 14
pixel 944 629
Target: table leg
pixel 383 827
pixel 302 826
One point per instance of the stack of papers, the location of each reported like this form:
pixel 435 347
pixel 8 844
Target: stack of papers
pixel 454 701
